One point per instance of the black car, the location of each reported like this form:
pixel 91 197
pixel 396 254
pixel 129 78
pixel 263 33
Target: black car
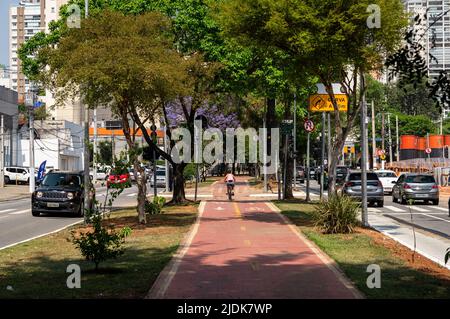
pixel 341 174
pixel 60 192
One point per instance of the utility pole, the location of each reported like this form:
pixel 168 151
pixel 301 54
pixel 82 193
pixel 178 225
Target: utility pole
pixel 295 140
pixel 364 214
pixel 2 152
pixel 322 170
pixel 308 145
pixel 87 178
pixel 95 146
pixel 396 133
pixel 31 110
pixel 265 149
pixel 382 132
pixel 374 141
pixel 390 139
pixel 329 140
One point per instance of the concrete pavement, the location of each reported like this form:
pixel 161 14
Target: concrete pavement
pixel 246 249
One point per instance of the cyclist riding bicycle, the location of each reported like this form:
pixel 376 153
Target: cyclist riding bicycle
pixel 230 180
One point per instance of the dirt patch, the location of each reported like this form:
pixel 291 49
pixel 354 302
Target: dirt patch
pixel 419 263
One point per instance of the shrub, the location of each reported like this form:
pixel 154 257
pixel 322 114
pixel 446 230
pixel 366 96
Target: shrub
pixel 338 215
pixel 102 243
pixel 155 207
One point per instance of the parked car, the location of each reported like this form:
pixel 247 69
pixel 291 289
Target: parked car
pixel 387 178
pixel 312 172
pixel 15 174
pixel 102 174
pixel 60 192
pixel 375 192
pixel 117 178
pixel 160 178
pixel 416 186
pixel 301 174
pixel 341 174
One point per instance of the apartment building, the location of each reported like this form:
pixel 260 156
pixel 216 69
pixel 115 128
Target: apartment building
pixel 25 20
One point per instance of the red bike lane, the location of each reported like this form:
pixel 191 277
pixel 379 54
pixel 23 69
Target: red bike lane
pixel 245 249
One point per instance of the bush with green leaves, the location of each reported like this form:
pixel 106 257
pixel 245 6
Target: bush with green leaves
pixel 337 215
pixel 155 207
pixel 101 243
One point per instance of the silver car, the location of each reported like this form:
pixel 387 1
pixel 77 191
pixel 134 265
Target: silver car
pixel 412 186
pixel 375 192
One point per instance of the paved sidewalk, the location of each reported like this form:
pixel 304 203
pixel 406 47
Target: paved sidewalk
pixel 427 245
pixel 246 249
pixel 14 192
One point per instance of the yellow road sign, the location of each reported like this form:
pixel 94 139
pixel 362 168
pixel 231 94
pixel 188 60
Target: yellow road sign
pixel 322 103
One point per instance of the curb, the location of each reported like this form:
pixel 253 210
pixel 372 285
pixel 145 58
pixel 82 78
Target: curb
pixel 15 198
pixel 162 282
pixel 327 260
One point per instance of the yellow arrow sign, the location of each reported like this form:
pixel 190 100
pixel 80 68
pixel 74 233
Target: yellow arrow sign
pixel 322 103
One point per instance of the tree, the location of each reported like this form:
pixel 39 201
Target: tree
pixel 105 155
pixel 94 62
pixel 330 40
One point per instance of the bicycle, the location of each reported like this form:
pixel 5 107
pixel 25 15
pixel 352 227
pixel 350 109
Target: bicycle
pixel 230 191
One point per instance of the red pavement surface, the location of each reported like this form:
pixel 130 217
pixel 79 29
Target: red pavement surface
pixel 243 249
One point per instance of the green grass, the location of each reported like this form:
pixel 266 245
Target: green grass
pixel 355 252
pixel 37 269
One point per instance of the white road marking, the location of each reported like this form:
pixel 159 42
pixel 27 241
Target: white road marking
pixel 374 210
pixel 6 210
pixel 220 208
pixel 395 209
pixel 20 212
pixel 419 209
pixel 435 217
pixel 442 209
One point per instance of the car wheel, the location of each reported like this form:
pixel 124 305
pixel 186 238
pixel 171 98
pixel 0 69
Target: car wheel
pixel 7 180
pixel 404 201
pixel 35 213
pixel 381 203
pixel 394 200
pixel 436 202
pixel 80 212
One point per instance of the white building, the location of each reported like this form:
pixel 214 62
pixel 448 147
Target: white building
pixel 4 78
pixel 60 143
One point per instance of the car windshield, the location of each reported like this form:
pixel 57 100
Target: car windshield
pixel 420 179
pixel 54 179
pixel 386 174
pixel 357 177
pixel 341 170
pixel 160 173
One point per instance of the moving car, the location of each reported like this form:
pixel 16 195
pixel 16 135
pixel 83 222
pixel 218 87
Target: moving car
pixel 118 179
pixel 15 174
pixel 341 174
pixel 102 173
pixel 160 178
pixel 60 192
pixel 416 187
pixel 375 192
pixel 387 178
pixel 301 174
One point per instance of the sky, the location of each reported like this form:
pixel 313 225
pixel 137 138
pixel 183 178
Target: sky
pixel 4 18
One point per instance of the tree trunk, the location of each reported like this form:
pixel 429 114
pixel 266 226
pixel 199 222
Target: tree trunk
pixel 179 196
pixel 142 191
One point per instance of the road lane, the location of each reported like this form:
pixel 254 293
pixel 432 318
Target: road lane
pixel 18 225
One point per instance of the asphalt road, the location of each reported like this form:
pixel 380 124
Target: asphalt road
pixel 433 219
pixel 18 225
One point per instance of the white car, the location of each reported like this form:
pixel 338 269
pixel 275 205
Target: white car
pixel 160 178
pixel 17 174
pixel 387 179
pixel 102 174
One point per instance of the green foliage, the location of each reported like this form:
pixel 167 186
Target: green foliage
pixel 155 207
pixel 416 125
pixel 337 215
pixel 105 155
pixel 189 171
pixel 101 243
